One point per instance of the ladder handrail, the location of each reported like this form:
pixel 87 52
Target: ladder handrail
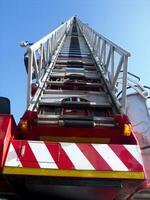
pixel 40 55
pixel 110 56
pixel 136 86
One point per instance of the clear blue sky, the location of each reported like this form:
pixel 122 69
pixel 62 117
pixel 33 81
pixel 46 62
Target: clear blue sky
pixel 125 22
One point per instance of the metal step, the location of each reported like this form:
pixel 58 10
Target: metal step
pixel 92 98
pixel 89 68
pixel 76 86
pixel 67 50
pixel 74 59
pixel 74 105
pixel 74 54
pixel 76 62
pixel 76 74
pixel 84 94
pixel 61 83
pixel 72 69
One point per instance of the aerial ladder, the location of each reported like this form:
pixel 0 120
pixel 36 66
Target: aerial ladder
pixel 76 136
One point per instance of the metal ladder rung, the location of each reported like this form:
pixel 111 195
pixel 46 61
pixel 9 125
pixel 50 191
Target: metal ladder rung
pixel 74 59
pixel 74 70
pixel 75 51
pixel 76 73
pixel 73 56
pixel 78 62
pixel 93 76
pixel 81 94
pixel 54 103
pixel 69 53
pixel 92 97
pixel 84 66
pixel 62 83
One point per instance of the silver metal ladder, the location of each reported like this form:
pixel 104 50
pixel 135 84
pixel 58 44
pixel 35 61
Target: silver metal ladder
pixel 74 95
pixel 75 72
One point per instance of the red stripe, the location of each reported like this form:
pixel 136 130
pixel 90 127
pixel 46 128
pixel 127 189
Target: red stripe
pixel 94 157
pixel 129 161
pixel 59 155
pixel 54 149
pixel 25 154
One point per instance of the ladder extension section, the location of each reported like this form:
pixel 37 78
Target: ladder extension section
pixel 74 94
pixel 71 91
pixel 83 44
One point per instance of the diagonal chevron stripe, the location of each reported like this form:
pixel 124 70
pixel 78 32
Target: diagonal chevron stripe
pixel 77 157
pixel 42 155
pixel 135 152
pixel 126 157
pixel 59 155
pixel 110 157
pixel 12 158
pixel 94 157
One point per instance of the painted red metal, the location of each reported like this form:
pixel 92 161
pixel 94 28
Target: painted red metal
pixel 25 154
pixel 125 156
pixel 34 89
pixel 63 162
pixel 35 130
pixel 7 128
pixel 141 192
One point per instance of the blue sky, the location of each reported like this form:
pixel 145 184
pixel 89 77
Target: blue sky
pixel 125 22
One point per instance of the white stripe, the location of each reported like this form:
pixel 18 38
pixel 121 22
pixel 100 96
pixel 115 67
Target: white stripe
pixel 42 155
pixel 110 157
pixel 12 158
pixel 77 157
pixel 135 152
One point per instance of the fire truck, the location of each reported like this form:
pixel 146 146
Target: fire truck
pixel 85 133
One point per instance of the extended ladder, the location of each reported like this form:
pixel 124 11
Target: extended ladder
pixel 74 94
pixel 71 88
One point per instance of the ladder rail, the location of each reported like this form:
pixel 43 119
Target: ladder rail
pixel 33 101
pixel 111 57
pixel 40 56
pixel 136 86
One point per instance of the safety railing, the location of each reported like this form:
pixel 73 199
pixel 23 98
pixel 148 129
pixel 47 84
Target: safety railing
pixel 39 56
pixel 134 85
pixel 111 58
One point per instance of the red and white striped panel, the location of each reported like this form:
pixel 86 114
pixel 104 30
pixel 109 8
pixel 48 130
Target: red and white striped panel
pixel 77 156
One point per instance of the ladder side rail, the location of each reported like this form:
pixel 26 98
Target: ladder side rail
pixel 111 57
pixel 113 97
pixel 85 27
pixel 140 86
pixel 34 100
pixel 64 26
pixel 138 90
pixel 40 54
pixel 30 71
pixel 124 83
